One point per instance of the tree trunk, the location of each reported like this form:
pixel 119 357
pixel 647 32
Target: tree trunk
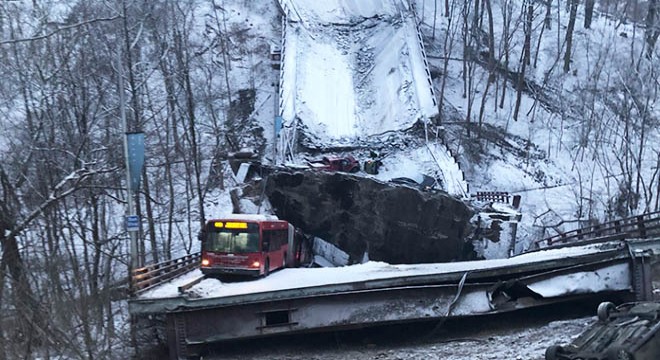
pixel 466 45
pixel 435 17
pixel 524 60
pixel 506 19
pixel 447 49
pixel 190 101
pixel 150 217
pixel 170 212
pixel 652 27
pixel 491 61
pixel 223 35
pixel 588 13
pixel 30 318
pixel 569 35
pixel 527 51
pixel 491 43
pixel 475 18
pixel 657 191
pixel 3 354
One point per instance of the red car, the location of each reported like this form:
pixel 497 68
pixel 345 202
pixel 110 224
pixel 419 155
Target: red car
pixel 336 163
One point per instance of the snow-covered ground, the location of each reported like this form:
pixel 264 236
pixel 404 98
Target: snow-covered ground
pixel 432 159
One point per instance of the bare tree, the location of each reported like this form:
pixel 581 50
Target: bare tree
pixel 588 13
pixel 652 26
pixel 468 60
pixel 569 34
pixel 507 33
pixel 447 47
pixel 491 60
pixel 524 57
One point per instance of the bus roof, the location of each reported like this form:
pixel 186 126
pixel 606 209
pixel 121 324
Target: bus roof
pixel 248 217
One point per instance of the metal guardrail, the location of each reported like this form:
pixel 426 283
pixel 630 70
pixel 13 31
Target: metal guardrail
pixel 495 196
pixel 638 226
pixel 498 197
pixel 420 42
pixel 287 134
pixel 147 277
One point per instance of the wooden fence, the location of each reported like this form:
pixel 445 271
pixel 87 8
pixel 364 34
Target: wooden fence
pixel 146 277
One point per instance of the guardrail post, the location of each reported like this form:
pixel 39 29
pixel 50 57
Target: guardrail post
pixel 641 226
pixel 516 201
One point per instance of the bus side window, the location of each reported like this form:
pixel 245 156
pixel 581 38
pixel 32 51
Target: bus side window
pixel 274 240
pixel 282 238
pixel 265 244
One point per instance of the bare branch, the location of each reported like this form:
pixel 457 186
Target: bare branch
pixel 59 192
pixel 68 27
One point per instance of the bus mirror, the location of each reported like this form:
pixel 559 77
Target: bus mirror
pixel 201 235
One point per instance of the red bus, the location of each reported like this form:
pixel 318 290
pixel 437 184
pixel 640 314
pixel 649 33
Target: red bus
pixel 243 244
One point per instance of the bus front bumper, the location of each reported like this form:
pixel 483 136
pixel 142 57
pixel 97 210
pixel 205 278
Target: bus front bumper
pixel 230 271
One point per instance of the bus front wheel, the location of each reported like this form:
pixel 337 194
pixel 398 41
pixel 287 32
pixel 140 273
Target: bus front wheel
pixel 266 267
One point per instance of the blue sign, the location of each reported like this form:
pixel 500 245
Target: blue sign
pixel 132 223
pixel 135 154
pixel 278 125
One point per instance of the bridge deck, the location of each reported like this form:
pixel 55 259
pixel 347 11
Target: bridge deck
pixel 353 68
pixel 312 299
pixel 372 275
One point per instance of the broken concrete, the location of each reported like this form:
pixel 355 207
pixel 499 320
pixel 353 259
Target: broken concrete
pixel 395 224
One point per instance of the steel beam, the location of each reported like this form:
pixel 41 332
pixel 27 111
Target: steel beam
pixel 195 328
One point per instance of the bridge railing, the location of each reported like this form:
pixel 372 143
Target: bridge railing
pixel 498 197
pixel 146 277
pixel 638 226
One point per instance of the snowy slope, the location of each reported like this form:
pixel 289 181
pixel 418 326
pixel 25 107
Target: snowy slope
pixel 353 69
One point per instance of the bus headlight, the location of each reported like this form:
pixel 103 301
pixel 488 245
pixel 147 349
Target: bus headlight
pixel 205 262
pixel 255 264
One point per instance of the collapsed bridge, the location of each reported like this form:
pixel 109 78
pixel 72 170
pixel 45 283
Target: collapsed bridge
pixel 199 311
pixel 351 69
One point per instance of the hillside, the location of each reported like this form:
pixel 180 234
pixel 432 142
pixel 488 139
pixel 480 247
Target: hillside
pixel 574 133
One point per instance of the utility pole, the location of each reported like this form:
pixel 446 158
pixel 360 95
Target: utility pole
pixel 276 64
pixel 132 220
pixel 134 161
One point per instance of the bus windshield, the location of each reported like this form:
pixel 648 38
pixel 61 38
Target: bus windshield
pixel 231 241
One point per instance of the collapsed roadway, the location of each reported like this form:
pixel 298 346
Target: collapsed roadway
pixel 199 312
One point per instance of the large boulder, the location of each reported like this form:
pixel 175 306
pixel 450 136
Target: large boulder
pixel 395 224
